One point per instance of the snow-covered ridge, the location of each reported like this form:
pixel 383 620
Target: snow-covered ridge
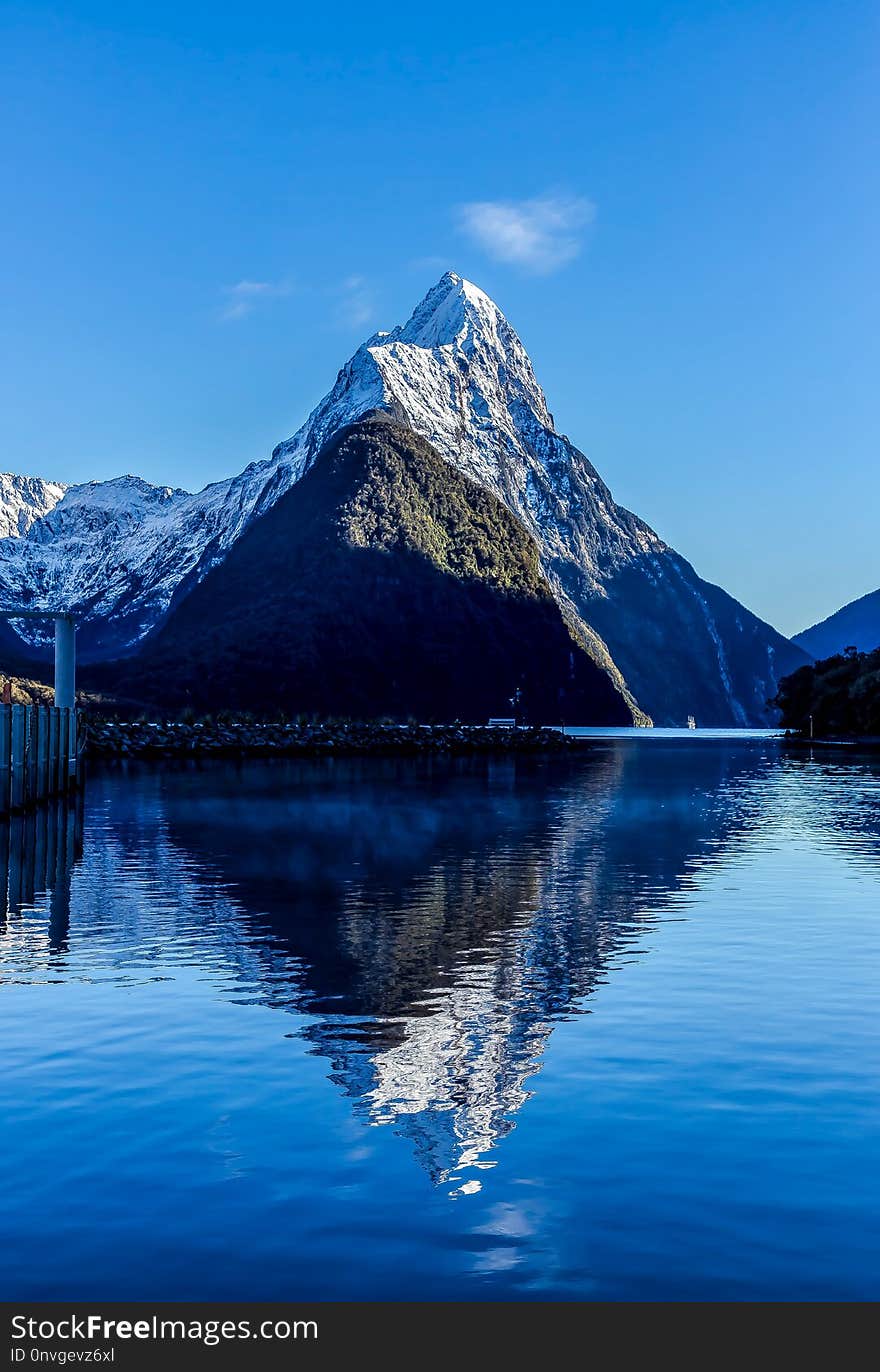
pixel 24 500
pixel 457 374
pixel 116 552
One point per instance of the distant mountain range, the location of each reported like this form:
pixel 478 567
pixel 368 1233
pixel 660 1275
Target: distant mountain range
pixel 127 557
pixel 856 625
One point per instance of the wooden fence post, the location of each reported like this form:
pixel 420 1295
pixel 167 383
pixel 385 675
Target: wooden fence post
pixel 19 747
pixel 5 756
pixel 33 753
pixel 43 753
pixel 54 759
pixel 66 721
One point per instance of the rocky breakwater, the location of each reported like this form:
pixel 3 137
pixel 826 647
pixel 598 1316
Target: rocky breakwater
pixel 123 738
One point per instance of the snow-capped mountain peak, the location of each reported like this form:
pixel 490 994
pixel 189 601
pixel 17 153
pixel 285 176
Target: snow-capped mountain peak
pixel 456 372
pixel 119 554
pixel 452 311
pixel 493 369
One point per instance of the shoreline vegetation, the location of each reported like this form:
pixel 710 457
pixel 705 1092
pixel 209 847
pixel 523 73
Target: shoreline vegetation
pixel 835 701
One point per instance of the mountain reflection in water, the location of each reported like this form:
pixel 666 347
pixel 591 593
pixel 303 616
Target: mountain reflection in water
pixel 420 927
pixel 432 920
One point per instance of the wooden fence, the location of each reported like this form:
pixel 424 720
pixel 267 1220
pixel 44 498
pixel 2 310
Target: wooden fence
pixel 39 754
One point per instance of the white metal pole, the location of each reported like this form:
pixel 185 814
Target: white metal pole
pixel 65 663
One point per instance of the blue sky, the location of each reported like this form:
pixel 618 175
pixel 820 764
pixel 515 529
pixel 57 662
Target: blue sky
pixel 206 208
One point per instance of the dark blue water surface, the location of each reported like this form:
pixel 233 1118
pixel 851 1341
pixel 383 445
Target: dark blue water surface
pixel 599 1027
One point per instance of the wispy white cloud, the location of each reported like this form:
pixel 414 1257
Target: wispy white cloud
pixel 244 297
pixel 539 235
pixel 351 302
pixel 356 302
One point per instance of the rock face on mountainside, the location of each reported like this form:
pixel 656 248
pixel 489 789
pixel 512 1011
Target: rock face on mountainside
pixel 24 500
pixel 856 625
pixel 384 583
pixel 123 554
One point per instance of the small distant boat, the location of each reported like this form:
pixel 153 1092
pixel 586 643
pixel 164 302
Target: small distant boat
pixel 692 723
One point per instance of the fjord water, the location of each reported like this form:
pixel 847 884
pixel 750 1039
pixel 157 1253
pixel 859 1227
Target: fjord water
pixel 600 1027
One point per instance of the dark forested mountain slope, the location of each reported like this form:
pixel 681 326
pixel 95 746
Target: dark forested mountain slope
pixel 385 582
